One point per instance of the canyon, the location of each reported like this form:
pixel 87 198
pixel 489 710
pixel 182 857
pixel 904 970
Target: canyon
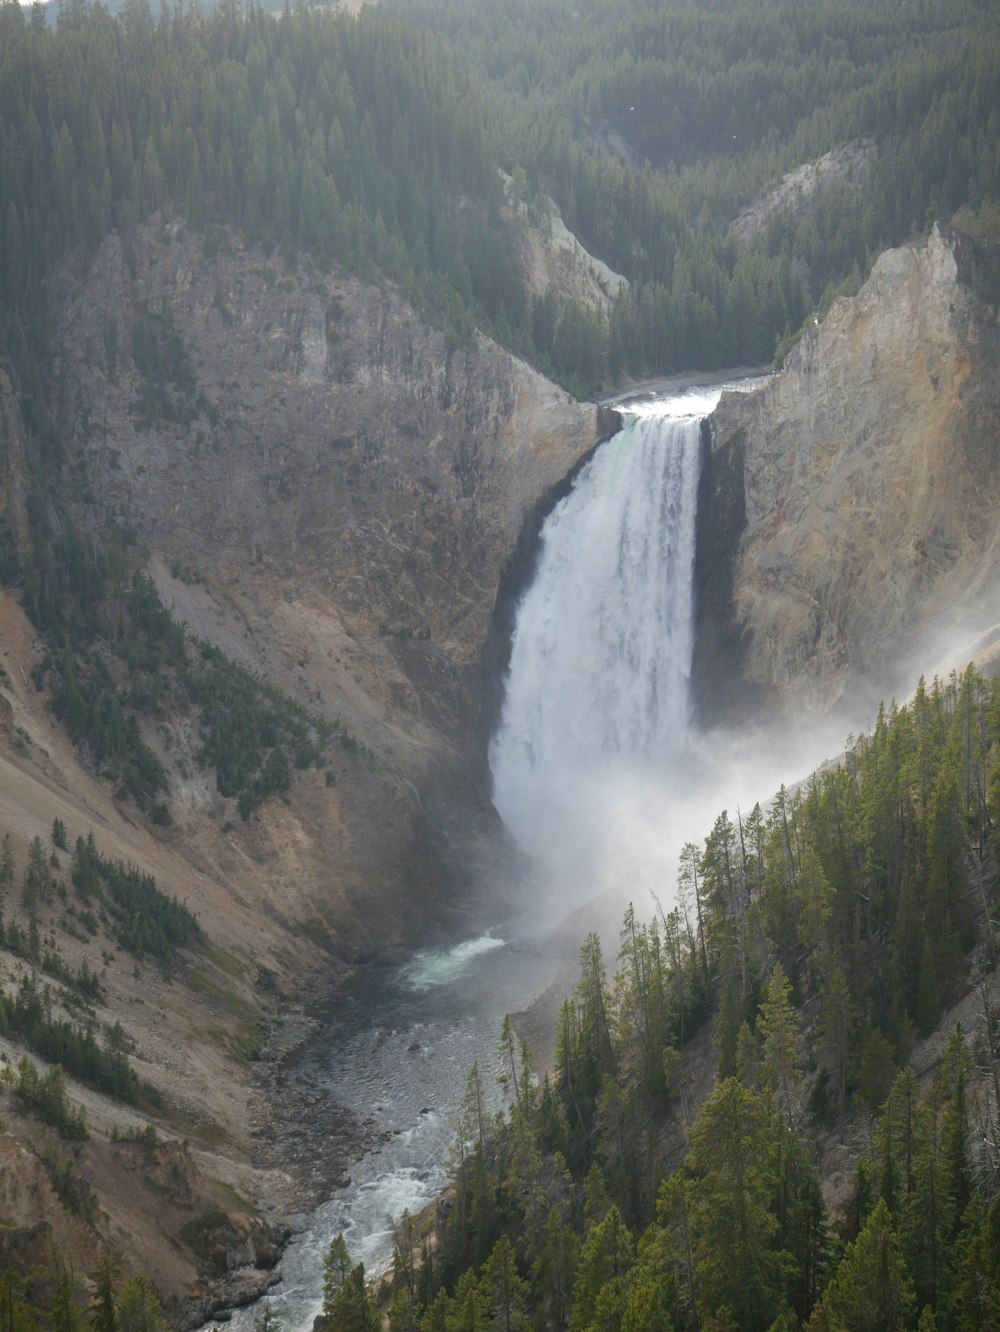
pixel 345 501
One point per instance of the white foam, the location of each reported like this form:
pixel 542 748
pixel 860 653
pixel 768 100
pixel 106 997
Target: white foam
pixel 441 966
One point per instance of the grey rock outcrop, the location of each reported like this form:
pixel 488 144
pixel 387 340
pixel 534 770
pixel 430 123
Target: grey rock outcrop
pixel 332 435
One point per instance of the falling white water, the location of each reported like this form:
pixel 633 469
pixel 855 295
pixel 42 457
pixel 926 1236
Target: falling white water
pixel 597 699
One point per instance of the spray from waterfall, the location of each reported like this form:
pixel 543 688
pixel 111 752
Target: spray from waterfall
pixel 596 709
pixel 596 768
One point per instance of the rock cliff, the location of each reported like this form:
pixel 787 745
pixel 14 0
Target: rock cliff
pixel 330 491
pixel 336 495
pixel 850 511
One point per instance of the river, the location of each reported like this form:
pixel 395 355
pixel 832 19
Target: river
pixel 397 1047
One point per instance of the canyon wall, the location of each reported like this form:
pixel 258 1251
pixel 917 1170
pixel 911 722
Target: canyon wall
pixel 329 490
pixel 335 494
pixel 850 509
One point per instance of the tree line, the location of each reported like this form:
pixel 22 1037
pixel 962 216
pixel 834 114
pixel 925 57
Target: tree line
pixel 278 125
pixel 813 944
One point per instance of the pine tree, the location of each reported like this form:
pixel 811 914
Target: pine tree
pixel 871 1291
pixel 601 1278
pixel 554 1270
pixel 64 1315
pixel 835 1028
pixel 104 1307
pixel 734 1159
pixel 976 1297
pixel 336 1270
pixel 267 1320
pixel 139 1308
pixel 503 1291
pixel 779 1031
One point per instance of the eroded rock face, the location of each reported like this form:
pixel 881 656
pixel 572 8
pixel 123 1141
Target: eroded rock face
pixel 330 491
pixel 864 485
pixel 335 437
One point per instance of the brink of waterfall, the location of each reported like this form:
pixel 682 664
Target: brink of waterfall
pixel 597 696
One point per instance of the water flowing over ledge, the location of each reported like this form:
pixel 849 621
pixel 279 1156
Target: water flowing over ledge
pixel 601 651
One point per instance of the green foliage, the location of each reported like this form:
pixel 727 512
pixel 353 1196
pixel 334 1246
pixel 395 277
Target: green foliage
pixel 143 919
pixel 18 1313
pixel 103 1308
pixel 92 615
pixel 106 620
pixel 135 1308
pixel 346 1299
pixel 27 944
pixel 27 1016
pixel 139 1308
pixel 44 1095
pixel 66 1178
pixel 871 1290
pixel 64 1311
pixel 803 928
pixel 778 1027
pixel 254 735
pixel 721 100
pixel 282 128
pixel 268 1320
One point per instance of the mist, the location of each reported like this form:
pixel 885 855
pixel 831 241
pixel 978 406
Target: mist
pixel 616 830
pixel 599 773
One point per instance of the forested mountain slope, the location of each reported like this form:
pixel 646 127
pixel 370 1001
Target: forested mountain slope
pixel 279 127
pixel 815 947
pixel 654 125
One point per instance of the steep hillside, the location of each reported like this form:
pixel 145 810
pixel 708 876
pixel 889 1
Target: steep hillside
pixel 271 460
pixel 849 513
pixel 338 501
pixel 328 492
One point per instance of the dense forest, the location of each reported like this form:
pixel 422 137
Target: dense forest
pixel 814 946
pixel 654 125
pixel 376 143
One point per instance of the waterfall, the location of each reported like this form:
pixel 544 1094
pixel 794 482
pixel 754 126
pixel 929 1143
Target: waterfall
pixel 598 687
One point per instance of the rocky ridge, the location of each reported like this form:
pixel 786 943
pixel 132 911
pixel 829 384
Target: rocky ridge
pixel 337 504
pixel 849 532
pixel 848 167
